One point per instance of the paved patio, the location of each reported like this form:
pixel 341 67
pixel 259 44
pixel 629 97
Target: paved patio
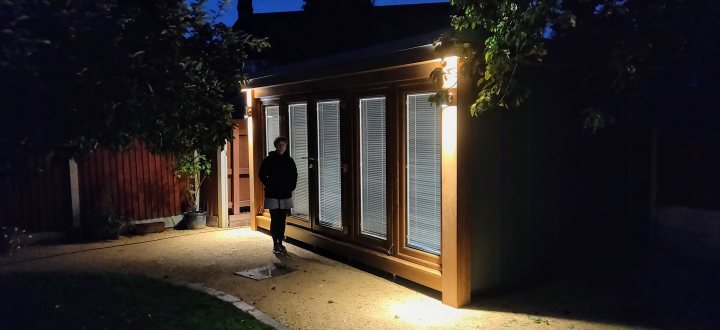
pixel 326 294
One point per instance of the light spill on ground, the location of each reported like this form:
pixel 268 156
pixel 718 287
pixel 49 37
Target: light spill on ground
pixel 321 294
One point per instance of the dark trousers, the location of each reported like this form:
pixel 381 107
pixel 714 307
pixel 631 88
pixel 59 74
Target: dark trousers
pixel 277 224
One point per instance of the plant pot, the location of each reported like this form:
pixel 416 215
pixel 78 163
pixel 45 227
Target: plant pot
pixel 195 220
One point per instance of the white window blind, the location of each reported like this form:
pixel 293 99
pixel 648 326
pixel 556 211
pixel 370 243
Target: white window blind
pixel 299 152
pixel 423 174
pixel 373 178
pixel 329 162
pixel 272 126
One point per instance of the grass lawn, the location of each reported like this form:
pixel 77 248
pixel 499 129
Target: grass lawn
pixel 111 301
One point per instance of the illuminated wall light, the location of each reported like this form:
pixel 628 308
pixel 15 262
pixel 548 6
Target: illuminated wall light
pixel 447 102
pixel 451 72
pixel 248 112
pixel 449 108
pixel 248 102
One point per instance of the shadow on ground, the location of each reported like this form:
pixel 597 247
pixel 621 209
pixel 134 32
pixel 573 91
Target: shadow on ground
pixel 663 292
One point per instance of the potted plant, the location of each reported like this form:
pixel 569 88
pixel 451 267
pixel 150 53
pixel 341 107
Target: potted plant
pixel 193 168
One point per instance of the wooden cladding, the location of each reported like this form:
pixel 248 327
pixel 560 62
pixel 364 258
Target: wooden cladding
pixel 138 184
pixel 37 204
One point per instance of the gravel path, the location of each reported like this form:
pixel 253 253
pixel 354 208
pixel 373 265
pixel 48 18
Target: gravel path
pixel 327 294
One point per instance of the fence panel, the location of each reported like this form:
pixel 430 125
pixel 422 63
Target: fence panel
pixel 38 203
pixel 136 183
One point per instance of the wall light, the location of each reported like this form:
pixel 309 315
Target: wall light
pixel 450 100
pixel 248 102
pixel 451 72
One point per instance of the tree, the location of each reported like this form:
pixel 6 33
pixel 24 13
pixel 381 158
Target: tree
pixel 604 56
pixel 81 74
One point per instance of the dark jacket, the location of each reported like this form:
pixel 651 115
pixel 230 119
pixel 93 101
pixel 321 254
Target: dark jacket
pixel 279 175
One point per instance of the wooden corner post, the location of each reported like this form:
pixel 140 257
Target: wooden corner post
pixel 251 114
pixel 455 236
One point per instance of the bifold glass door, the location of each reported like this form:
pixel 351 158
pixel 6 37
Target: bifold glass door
pixel 316 143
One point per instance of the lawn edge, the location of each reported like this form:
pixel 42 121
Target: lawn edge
pixel 235 301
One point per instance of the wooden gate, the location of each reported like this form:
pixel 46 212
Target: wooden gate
pixel 238 180
pixel 238 176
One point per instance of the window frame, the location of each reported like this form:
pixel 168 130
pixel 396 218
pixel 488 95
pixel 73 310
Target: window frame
pixel 386 245
pixel 316 225
pixel 404 251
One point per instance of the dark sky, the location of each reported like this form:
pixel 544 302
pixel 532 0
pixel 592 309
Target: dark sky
pixel 267 6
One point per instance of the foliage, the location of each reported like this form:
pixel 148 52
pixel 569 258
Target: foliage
pixel 594 57
pixel 194 169
pixel 60 300
pixel 75 75
pixel 103 222
pixel 13 239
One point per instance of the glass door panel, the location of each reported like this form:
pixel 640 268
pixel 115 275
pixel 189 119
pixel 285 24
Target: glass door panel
pixel 373 176
pixel 423 174
pixel 329 165
pixel 299 152
pixel 272 127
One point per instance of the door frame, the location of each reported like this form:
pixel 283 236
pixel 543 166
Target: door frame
pixel 293 219
pixel 314 142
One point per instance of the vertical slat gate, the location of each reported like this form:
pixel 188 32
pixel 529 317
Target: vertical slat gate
pixel 239 176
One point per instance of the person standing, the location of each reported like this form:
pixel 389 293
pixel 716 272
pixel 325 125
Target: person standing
pixel 278 174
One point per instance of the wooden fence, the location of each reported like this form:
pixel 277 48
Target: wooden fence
pixel 37 203
pixel 136 183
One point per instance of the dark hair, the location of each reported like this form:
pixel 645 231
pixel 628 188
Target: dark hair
pixel 279 139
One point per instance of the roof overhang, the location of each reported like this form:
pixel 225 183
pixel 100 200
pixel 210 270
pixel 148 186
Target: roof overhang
pixel 395 54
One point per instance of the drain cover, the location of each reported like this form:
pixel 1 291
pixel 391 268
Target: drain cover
pixel 265 272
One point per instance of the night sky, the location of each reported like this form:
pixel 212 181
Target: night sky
pixel 268 6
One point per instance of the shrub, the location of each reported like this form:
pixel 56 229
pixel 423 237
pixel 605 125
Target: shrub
pixel 103 223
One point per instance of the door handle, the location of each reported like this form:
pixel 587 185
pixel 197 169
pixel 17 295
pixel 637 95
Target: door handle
pixel 308 158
